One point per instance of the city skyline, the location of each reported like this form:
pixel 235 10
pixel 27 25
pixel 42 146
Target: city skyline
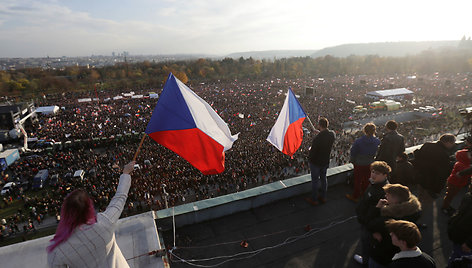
pixel 31 28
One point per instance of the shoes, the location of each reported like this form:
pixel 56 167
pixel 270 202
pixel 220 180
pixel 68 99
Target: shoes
pixel 312 202
pixel 352 198
pixel 449 211
pixel 322 200
pixel 358 258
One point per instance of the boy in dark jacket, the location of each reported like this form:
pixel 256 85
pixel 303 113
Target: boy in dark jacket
pixel 399 204
pixel 366 209
pixel 406 236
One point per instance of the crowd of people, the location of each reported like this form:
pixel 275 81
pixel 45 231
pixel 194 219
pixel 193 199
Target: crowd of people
pixel 249 107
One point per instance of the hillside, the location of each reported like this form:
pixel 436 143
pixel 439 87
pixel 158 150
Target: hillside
pixel 271 54
pixel 392 49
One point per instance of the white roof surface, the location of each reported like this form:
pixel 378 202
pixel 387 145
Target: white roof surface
pixel 47 109
pixel 135 236
pixel 390 92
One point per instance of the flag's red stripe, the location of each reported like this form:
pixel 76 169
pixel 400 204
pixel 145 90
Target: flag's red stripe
pixel 293 137
pixel 200 150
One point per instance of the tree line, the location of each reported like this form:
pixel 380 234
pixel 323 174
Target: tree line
pixel 145 75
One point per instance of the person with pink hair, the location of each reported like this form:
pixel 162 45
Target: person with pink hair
pixel 86 239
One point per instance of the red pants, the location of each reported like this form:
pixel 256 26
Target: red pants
pixel 361 180
pixel 451 192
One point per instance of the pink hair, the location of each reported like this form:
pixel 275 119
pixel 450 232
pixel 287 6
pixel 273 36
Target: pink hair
pixel 76 210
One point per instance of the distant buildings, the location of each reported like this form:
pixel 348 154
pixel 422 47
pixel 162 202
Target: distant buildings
pixel 56 63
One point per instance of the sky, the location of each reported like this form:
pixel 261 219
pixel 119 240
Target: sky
pixel 40 28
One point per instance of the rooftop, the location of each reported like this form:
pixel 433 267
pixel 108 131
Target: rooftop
pixel 277 235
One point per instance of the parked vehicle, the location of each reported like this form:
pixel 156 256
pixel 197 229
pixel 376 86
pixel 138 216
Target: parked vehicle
pixel 7 188
pixel 79 174
pixel 39 180
pixel 54 180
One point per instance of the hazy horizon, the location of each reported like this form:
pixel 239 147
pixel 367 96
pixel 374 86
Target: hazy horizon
pixel 32 28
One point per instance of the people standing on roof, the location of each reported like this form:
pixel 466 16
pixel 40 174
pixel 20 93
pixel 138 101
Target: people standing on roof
pixel 433 166
pixel 456 182
pixel 404 173
pixel 460 233
pixel 362 155
pixel 391 146
pixel 319 157
pixel 399 204
pixel 366 208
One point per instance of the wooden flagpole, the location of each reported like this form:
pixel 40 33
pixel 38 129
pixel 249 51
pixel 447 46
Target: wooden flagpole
pixel 139 147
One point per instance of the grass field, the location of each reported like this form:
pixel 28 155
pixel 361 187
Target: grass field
pixel 16 204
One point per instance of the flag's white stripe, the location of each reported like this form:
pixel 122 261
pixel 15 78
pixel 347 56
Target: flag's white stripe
pixel 277 133
pixel 206 119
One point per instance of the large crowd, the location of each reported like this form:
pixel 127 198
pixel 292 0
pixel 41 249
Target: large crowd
pixel 250 107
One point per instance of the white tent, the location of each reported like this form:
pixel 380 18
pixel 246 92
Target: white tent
pixel 153 96
pixel 85 100
pixel 48 109
pixel 137 96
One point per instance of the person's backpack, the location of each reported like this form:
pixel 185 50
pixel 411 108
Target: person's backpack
pixel 459 225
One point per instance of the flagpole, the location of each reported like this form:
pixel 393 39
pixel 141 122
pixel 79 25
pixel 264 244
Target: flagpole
pixel 316 131
pixel 312 126
pixel 139 147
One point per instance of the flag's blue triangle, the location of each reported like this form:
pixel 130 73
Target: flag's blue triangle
pixel 171 112
pixel 294 108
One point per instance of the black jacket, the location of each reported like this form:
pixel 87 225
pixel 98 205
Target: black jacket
pixel 366 210
pixel 422 261
pixel 404 173
pixel 459 227
pixel 432 166
pixel 321 148
pixel 383 251
pixel 391 146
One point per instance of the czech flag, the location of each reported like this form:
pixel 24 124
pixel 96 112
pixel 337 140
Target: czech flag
pixel 287 134
pixel 184 123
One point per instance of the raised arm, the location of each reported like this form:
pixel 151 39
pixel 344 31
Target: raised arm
pixel 117 203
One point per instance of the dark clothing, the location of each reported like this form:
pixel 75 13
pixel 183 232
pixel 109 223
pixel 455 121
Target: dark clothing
pixel 404 173
pixel 321 148
pixel 391 146
pixel 421 261
pixel 366 210
pixel 459 258
pixel 432 166
pixel 383 251
pixel 459 227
